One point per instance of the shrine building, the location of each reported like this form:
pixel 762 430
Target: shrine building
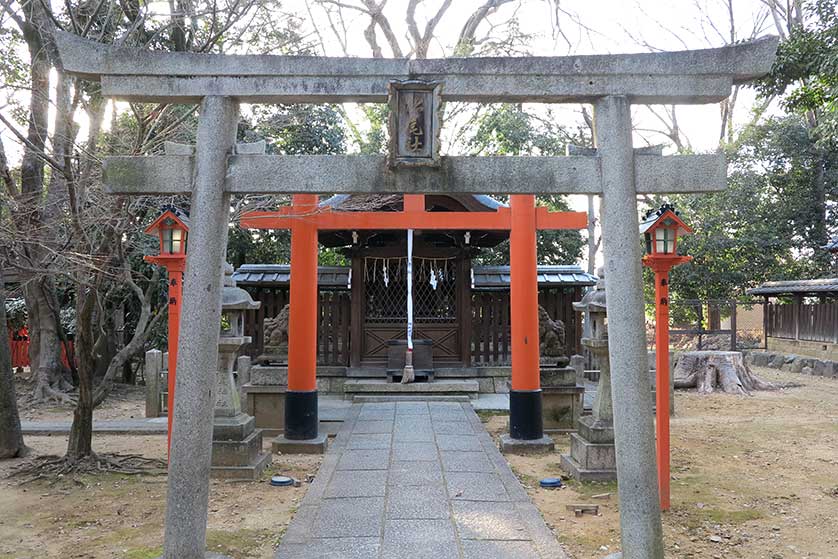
pixel 461 308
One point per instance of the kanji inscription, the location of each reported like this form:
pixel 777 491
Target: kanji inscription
pixel 414 122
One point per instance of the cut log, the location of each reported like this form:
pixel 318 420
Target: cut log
pixel 708 371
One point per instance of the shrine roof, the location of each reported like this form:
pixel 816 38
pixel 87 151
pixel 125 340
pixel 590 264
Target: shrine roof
pixel 485 277
pixel 548 276
pixel 340 201
pixel 280 274
pixel 798 287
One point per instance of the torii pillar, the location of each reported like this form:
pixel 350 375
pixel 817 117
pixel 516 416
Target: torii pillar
pixel 301 419
pixel 525 410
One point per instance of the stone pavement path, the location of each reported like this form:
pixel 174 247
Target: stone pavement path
pixel 413 480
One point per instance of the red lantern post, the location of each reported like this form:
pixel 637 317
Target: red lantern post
pixel 172 228
pixel 661 229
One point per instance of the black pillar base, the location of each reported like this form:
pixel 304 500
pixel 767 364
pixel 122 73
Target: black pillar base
pixel 301 419
pixel 525 419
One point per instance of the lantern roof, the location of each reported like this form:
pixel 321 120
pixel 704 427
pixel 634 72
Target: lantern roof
pixel 180 217
pixel 594 300
pixel 666 214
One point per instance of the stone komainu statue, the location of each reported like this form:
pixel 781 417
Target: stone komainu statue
pixel 551 335
pixel 275 332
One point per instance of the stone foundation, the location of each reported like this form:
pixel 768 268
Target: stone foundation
pixel 592 453
pixel 793 363
pixel 237 448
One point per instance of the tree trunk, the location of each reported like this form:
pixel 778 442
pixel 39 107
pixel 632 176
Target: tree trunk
pixel 48 371
pixel 80 444
pixel 708 371
pixel 11 438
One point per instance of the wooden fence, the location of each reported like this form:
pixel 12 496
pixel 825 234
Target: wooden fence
pixel 807 322
pixel 490 333
pixel 332 323
pixel 490 343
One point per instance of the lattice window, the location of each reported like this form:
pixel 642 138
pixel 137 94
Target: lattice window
pixel 434 289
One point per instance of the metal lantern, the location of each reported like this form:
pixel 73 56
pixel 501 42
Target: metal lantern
pixel 661 229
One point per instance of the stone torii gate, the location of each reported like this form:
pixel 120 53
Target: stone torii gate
pixel 615 171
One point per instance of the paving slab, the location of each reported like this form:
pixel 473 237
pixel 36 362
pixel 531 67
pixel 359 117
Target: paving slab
pixel 414 480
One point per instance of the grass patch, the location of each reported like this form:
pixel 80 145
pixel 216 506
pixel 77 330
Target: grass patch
pixel 143 553
pixel 239 543
pixel 486 415
pixel 720 516
pixel 590 488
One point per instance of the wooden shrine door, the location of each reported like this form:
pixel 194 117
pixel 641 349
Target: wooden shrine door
pixel 438 303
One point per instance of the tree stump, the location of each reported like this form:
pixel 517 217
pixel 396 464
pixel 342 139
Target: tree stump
pixel 708 371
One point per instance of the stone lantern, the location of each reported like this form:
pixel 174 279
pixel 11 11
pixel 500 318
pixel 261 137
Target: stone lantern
pixel 237 444
pixel 592 456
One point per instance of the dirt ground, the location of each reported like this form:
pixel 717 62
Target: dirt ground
pixel 752 477
pixel 109 515
pixel 124 402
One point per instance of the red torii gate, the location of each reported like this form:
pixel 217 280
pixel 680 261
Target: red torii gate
pixel 522 219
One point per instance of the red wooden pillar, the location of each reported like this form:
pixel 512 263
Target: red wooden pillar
pixel 662 381
pixel 175 269
pixel 525 421
pixel 301 419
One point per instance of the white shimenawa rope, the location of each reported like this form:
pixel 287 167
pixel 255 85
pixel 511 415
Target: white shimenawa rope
pixel 410 289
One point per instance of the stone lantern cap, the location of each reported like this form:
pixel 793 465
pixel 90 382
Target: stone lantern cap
pixel 594 300
pixel 235 298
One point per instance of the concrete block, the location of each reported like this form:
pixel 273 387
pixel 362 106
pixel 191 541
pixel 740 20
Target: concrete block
pixel 459 442
pixel 457 461
pixel 501 385
pixel 429 502
pixel 317 445
pixel 251 471
pixel 266 403
pixel 486 385
pixel 600 432
pixel 364 460
pixel 261 375
pixel 324 385
pixel 489 521
pixel 508 445
pixel 475 486
pixel 234 428
pixel 558 376
pixel 370 483
pixel 235 453
pixel 562 407
pixel 350 517
pixel 592 456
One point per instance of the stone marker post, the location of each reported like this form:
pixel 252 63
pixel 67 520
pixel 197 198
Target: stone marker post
pixel 190 456
pixel 640 517
pixel 153 368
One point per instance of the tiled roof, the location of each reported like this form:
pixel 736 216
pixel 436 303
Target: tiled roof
pixel 823 286
pixel 280 274
pixel 485 277
pixel 559 276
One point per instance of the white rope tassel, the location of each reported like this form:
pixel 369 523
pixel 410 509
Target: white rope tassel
pixel 408 374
